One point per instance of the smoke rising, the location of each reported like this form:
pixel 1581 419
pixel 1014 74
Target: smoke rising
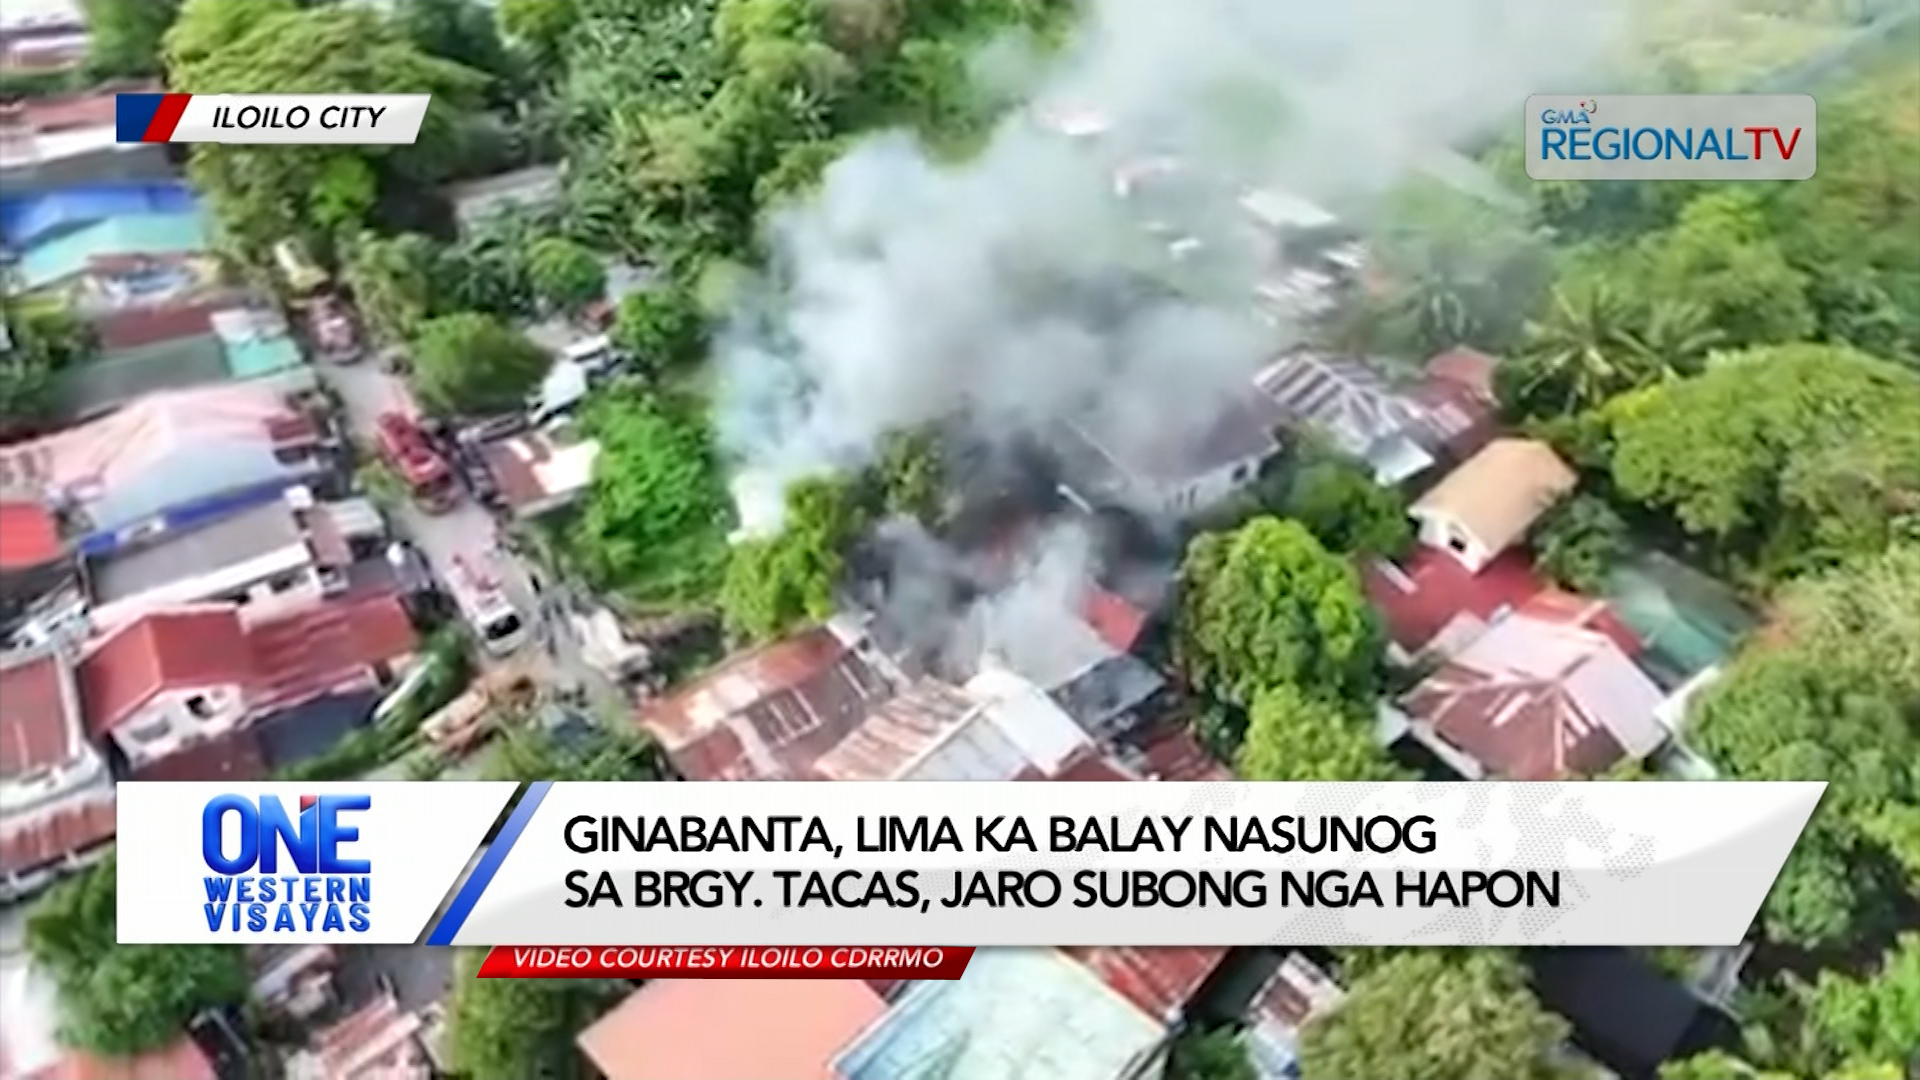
pixel 1003 288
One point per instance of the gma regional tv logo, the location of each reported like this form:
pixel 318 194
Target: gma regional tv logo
pixel 318 886
pixel 1671 137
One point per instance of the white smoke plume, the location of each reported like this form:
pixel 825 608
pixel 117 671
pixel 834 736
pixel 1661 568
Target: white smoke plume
pixel 909 290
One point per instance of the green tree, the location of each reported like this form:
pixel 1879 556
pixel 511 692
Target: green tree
pixel 1582 352
pixel 263 194
pixel 775 583
pixel 42 340
pixel 1871 1022
pixel 1796 452
pixel 1210 1055
pixel 393 279
pixel 542 24
pixel 1722 255
pixel 125 35
pixel 662 328
pixel 1267 605
pixel 1292 735
pixel 463 31
pixel 1439 1017
pixel 1717 1065
pixel 1580 541
pixel 1831 701
pixel 512 1029
pixel 909 476
pixel 1340 503
pixel 120 1000
pixel 469 363
pixel 655 522
pixel 564 274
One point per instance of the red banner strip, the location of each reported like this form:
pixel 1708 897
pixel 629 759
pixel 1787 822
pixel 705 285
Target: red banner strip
pixel 724 962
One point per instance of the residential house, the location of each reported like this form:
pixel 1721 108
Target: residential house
pixel 1164 982
pixel 267 558
pixel 379 1041
pixel 1017 1012
pixel 56 141
pixel 293 981
pixel 474 202
pixel 998 728
pixel 1167 469
pixel 119 260
pixel 56 794
pixel 770 713
pixel 1298 993
pixel 260 695
pixel 538 473
pixel 1351 405
pixel 1544 693
pixel 689 1029
pixel 172 346
pixel 1488 504
pixel 171 451
pixel 1626 1013
pixel 29 216
pixel 39 576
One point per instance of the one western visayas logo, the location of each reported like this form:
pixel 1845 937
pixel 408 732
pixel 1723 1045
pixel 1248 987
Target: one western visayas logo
pixel 316 887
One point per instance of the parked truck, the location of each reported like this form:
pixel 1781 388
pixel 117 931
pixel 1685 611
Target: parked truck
pixel 405 448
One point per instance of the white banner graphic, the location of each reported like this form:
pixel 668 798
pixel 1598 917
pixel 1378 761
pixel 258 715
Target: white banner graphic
pixel 982 864
pixel 348 119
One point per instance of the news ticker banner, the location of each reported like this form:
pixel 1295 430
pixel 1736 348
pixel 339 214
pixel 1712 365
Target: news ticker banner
pixel 761 865
pixel 1671 137
pixel 287 119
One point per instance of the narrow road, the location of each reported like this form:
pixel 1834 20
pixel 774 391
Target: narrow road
pixel 469 530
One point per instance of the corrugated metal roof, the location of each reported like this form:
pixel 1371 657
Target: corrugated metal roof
pixel 1032 1013
pixel 901 733
pixel 136 235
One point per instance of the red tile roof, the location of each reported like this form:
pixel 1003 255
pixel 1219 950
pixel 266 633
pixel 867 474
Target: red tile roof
pixel 1438 588
pixel 131 328
pixel 34 714
pixel 1118 622
pixel 1161 981
pixel 29 535
pixel 67 829
pixel 769 713
pixel 183 1060
pixel 187 648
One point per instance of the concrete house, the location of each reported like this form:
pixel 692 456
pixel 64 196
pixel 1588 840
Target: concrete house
pixel 1487 505
pixel 56 795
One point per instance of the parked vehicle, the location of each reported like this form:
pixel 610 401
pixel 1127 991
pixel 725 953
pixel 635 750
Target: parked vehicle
pixel 481 596
pixel 405 448
pixel 330 324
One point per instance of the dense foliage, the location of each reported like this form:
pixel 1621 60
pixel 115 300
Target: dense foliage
pixel 43 341
pixel 1429 1014
pixel 512 1029
pixel 655 527
pixel 775 583
pixel 1292 735
pixel 470 363
pixel 1266 606
pixel 119 1000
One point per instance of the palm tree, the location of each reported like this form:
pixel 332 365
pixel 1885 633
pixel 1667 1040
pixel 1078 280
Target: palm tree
pixel 1582 352
pixel 1676 336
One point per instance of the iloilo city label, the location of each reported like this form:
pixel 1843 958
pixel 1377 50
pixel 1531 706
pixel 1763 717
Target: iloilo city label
pixel 1671 137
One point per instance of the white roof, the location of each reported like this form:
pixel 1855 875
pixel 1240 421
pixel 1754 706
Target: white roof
pixel 1029 719
pixel 1283 209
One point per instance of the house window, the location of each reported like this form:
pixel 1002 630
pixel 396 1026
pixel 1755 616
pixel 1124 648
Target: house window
pixel 200 707
pixel 284 583
pixel 1457 542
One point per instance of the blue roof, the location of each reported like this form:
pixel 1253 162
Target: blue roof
pixel 1032 1013
pixel 128 234
pixel 26 219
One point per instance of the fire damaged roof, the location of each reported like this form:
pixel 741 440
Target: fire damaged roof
pixel 1241 428
pixel 770 713
pixel 901 733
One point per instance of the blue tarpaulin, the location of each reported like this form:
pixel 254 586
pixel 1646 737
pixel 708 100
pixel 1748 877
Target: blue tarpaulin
pixel 31 218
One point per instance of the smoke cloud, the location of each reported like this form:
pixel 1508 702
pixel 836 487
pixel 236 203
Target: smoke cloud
pixel 1004 289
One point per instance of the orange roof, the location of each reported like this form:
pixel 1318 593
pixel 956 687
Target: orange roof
pixel 29 536
pixel 185 649
pixel 1117 622
pixel 691 1029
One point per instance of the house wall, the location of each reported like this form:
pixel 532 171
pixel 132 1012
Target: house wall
pixel 1443 532
pixel 169 722
pixel 278 583
pixel 81 775
pixel 1208 490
